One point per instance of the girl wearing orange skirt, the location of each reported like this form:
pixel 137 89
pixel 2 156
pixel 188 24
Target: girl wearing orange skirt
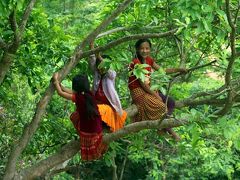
pixel 105 94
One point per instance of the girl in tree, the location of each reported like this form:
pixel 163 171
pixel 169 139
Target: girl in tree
pixel 88 122
pixel 106 96
pixel 150 103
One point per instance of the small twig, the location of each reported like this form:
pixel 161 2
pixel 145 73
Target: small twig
pixel 114 166
pixel 26 15
pixel 236 15
pixel 124 163
pixel 195 68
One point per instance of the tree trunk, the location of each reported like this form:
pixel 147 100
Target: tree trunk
pixel 5 65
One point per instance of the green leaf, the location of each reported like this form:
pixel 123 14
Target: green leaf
pixel 207 25
pixel 155 20
pixel 140 72
pixel 22 63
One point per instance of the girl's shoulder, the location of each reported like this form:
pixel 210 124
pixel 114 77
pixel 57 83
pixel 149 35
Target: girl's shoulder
pixel 136 61
pixel 150 60
pixel 81 98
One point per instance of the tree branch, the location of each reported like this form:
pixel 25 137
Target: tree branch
pixel 122 29
pixel 210 97
pixel 26 15
pixel 114 168
pixel 230 96
pixel 196 67
pixel 128 38
pixel 124 163
pixel 72 147
pixel 192 103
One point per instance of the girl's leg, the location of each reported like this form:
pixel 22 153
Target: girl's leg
pixel 170 107
pixel 170 102
pixel 173 134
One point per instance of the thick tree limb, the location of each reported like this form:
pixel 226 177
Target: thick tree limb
pixel 129 38
pixel 41 168
pixel 197 102
pixel 72 147
pixel 138 126
pixel 30 129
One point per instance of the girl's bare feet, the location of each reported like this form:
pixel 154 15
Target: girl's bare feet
pixel 174 135
pixel 169 131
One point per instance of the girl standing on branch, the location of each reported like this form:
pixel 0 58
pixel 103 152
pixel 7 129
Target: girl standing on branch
pixel 104 91
pixel 88 122
pixel 150 104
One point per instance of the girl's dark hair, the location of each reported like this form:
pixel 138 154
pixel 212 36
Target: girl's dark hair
pixel 80 84
pixel 137 46
pixel 140 41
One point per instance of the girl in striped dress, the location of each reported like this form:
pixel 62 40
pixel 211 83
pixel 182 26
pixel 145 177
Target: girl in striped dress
pixel 149 103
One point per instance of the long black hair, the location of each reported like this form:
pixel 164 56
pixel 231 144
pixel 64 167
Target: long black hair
pixel 80 85
pixel 137 46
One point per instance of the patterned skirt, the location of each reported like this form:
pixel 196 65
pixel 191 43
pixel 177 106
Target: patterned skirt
pixel 149 107
pixel 111 117
pixel 91 146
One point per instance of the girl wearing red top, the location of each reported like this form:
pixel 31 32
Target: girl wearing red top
pixel 88 122
pixel 150 104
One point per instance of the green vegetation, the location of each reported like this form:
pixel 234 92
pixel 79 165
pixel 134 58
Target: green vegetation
pixel 35 123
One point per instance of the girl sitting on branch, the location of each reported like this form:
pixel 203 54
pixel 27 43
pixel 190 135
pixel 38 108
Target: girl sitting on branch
pixel 105 93
pixel 87 120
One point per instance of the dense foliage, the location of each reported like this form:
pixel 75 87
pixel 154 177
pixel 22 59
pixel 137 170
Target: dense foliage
pixel 210 145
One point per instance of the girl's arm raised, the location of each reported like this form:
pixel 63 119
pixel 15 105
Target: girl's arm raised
pixel 170 70
pixel 69 91
pixel 59 89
